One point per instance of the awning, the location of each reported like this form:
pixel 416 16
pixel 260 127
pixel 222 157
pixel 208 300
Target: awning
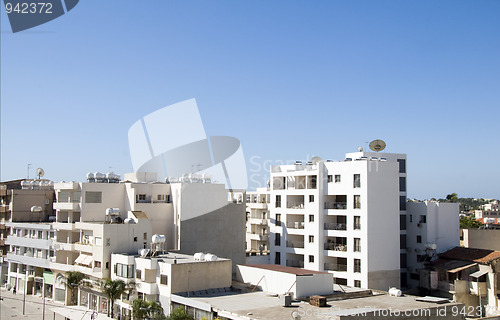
pixel 84 259
pixel 478 274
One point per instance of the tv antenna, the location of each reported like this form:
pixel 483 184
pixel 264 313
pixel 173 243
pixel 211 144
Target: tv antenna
pixel 40 172
pixel 377 145
pixel 29 165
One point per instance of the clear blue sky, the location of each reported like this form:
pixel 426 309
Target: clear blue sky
pixel 290 79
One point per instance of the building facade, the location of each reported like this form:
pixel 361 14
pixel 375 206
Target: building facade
pixel 340 217
pixel 257 225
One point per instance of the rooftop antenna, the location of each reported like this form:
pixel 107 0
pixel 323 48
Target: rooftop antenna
pixel 40 173
pixel 377 145
pixel 29 165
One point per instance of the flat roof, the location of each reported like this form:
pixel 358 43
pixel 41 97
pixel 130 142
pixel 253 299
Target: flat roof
pixel 285 269
pixel 173 258
pixel 262 305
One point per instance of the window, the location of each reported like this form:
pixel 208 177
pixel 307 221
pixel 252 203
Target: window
pixel 124 270
pixel 277 258
pixel 135 239
pixel 419 239
pixel 402 222
pixel 423 219
pixel 402 165
pixel 278 219
pixel 161 197
pixel 404 279
pixel 311 198
pixel 357 181
pixel 278 201
pixel 164 279
pixel 411 218
pixel 311 239
pixel 108 242
pixel 415 276
pixel 357 222
pixel 140 197
pixel 311 259
pixel 357 283
pixel 357 202
pixel 402 184
pixel 402 260
pixel 145 237
pixel 337 178
pixel 107 265
pixel 277 239
pixel 93 197
pixel 340 281
pixel 330 178
pixel 357 245
pixel 357 265
pixel 402 241
pixel 138 274
pixel 402 203
pixel 97 264
pixel 311 218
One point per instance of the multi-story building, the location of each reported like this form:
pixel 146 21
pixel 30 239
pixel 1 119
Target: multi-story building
pixel 158 278
pixel 432 228
pixel 341 217
pixel 257 227
pixel 24 201
pixel 489 210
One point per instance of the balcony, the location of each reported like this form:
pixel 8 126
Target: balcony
pixel 335 247
pixel 27 260
pixel 295 205
pixel 147 288
pixel 336 205
pixel 28 242
pixel 67 206
pixel 295 225
pixel 295 244
pixel 295 263
pixel 4 208
pixel 336 267
pixel 263 237
pixel 335 226
pixel 259 221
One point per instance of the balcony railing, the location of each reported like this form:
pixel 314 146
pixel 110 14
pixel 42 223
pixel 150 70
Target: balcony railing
pixel 335 267
pixel 336 205
pixel 295 263
pixel 335 226
pixel 335 247
pixel 295 244
pixel 296 225
pixel 295 205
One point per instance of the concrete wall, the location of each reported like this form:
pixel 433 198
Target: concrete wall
pixel 482 238
pixel 23 200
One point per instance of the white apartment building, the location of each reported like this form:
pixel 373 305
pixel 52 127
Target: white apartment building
pixel 166 278
pixel 257 226
pixel 432 228
pixel 341 217
pixel 489 210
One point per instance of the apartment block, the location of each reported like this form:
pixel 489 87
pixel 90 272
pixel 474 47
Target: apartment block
pixel 341 217
pixel 432 228
pixel 257 225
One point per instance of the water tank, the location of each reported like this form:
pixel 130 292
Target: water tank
pixel 143 252
pixel 395 292
pixel 25 184
pixel 113 211
pixel 210 257
pixel 158 238
pixel 113 177
pixel 90 177
pixel 99 177
pixel 129 221
pixel 199 256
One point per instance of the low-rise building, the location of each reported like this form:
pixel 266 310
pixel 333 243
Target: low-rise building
pixel 466 275
pixel 489 210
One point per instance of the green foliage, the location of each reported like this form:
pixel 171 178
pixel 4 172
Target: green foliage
pixel 142 310
pixel 73 280
pixel 466 204
pixel 469 223
pixel 114 289
pixel 180 314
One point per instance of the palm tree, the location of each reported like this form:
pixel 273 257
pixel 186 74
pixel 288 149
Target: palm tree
pixel 142 309
pixel 114 289
pixel 73 280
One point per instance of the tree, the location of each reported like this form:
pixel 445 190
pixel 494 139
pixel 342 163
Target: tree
pixel 114 289
pixel 469 223
pixel 452 197
pixel 73 280
pixel 180 314
pixel 142 310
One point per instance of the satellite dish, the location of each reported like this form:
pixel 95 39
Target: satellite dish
pixel 377 145
pixel 315 160
pixel 40 172
pixel 360 149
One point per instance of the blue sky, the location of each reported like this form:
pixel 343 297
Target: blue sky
pixel 290 79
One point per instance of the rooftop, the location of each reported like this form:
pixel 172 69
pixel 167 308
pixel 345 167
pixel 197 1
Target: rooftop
pixel 482 256
pixel 285 269
pixel 174 258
